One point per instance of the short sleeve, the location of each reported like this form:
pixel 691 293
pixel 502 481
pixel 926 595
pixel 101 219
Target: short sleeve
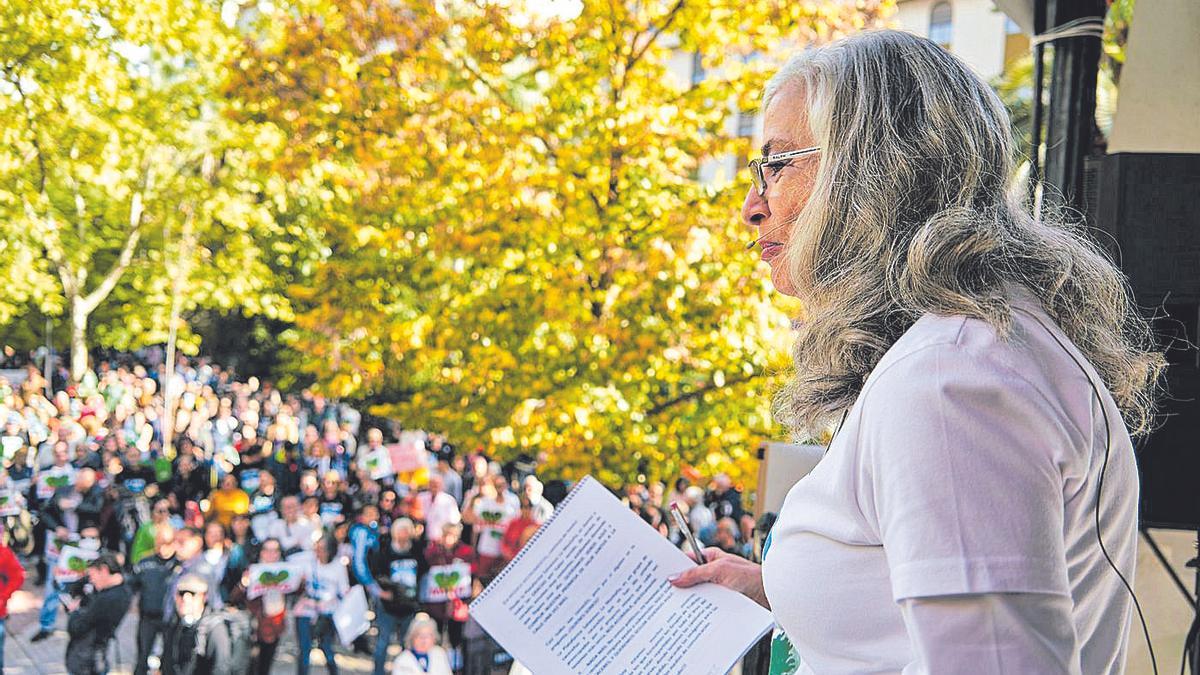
pixel 961 474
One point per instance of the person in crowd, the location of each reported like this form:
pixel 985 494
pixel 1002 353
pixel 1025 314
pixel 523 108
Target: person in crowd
pixel 390 508
pixel 451 480
pixel 326 584
pixel 439 507
pixel 95 618
pixel 451 615
pixel 72 510
pixel 336 507
pixel 144 542
pixel 189 483
pixel 725 500
pixel 264 503
pixel 200 639
pixel 149 579
pixel 195 560
pixel 397 566
pixel 542 509
pixel 12 576
pixel 422 654
pixel 269 609
pixel 514 532
pixel 726 537
pixel 228 501
pixel 700 517
pixel 243 547
pixel 310 485
pixel 294 533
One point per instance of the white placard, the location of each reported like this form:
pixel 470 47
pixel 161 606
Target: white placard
pixel 444 582
pixel 378 464
pixel 72 563
pixel 350 618
pixel 282 577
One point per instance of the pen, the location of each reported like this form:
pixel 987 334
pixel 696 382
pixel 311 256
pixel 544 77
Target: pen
pixel 681 522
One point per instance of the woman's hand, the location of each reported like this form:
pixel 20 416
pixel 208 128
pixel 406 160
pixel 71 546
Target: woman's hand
pixel 728 570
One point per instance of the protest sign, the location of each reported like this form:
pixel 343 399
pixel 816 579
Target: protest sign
pixel 72 563
pixel 10 503
pixel 51 479
pixel 444 582
pixel 378 464
pixel 282 577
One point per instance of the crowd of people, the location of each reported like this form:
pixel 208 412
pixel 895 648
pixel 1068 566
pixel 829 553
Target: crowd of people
pixel 202 532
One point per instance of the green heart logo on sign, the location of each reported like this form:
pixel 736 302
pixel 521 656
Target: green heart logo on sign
pixel 491 517
pixel 76 564
pixel 447 580
pixel 269 578
pixel 57 481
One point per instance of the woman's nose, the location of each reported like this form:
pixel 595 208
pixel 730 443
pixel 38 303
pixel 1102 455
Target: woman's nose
pixel 754 208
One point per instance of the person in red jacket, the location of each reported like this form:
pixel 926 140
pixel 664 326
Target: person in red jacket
pixel 12 575
pixel 515 534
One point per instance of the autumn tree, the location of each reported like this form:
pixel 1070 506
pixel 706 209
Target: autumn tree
pixel 530 220
pixel 125 192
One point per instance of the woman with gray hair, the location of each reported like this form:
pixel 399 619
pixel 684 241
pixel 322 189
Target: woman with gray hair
pixel 422 654
pixel 977 508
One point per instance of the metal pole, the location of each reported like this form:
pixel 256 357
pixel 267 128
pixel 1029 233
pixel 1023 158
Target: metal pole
pixel 47 360
pixel 1039 87
pixel 1072 109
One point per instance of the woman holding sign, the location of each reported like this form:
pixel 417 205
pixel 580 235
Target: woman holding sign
pixel 977 508
pixel 269 608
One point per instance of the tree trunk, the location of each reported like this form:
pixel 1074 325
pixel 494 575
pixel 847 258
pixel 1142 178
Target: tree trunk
pixel 79 321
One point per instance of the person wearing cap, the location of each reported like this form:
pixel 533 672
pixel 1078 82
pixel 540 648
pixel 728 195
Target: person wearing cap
pixel 189 600
pixel 96 617
pixel 200 639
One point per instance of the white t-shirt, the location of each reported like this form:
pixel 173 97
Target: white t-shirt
pixel 439 512
pixel 292 535
pixel 968 466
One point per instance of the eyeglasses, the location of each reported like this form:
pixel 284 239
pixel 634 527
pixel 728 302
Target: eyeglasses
pixel 184 594
pixel 777 160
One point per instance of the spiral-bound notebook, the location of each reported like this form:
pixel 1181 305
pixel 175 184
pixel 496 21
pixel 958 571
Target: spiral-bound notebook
pixel 589 594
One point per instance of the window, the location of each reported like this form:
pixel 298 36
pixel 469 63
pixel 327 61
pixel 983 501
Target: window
pixel 941 24
pixel 745 124
pixel 697 68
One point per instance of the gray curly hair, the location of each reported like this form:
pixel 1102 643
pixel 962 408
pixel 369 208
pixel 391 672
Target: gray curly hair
pixel 913 211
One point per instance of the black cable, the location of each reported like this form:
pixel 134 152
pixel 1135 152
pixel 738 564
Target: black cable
pixel 1100 486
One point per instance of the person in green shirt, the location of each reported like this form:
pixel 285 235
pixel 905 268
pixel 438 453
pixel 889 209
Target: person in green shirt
pixel 143 539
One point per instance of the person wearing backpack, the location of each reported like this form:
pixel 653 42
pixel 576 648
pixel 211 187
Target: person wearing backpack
pixel 202 640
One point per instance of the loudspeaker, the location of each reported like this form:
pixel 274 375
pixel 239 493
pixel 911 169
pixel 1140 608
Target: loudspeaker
pixel 1149 204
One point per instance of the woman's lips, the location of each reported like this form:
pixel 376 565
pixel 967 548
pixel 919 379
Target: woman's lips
pixel 771 250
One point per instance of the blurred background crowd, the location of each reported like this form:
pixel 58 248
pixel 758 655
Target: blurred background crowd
pixel 116 511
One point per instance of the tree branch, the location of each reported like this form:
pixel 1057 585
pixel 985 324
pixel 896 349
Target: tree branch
pixel 136 211
pixel 696 393
pixel 654 34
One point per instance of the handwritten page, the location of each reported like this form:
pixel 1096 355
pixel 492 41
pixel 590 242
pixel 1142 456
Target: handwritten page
pixel 589 594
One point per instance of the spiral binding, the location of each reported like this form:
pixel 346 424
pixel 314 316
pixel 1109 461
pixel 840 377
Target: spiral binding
pixel 562 506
